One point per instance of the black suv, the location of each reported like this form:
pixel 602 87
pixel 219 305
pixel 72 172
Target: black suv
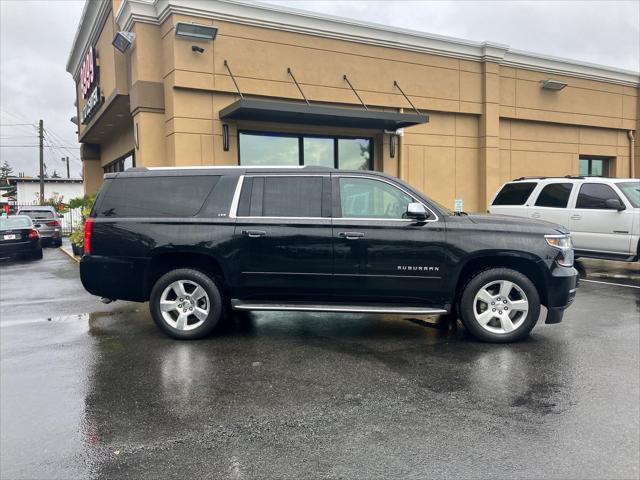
pixel 197 242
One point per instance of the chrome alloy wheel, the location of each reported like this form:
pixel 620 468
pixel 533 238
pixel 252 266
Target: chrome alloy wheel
pixel 184 305
pixel 500 306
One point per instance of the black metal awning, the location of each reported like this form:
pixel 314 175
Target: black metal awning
pixel 303 114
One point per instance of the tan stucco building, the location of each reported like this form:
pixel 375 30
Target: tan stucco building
pixel 493 113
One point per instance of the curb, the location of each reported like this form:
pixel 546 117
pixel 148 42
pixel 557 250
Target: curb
pixel 69 254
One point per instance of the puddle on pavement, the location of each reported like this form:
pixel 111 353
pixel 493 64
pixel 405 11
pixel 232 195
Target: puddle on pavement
pixel 76 317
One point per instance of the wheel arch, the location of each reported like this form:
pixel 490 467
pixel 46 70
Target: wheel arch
pixel 165 261
pixel 528 265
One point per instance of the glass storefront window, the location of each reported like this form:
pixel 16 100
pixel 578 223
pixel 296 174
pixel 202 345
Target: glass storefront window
pixel 318 151
pixel 258 149
pixel 354 153
pixel 120 165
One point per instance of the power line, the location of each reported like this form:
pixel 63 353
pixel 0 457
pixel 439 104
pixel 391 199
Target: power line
pixel 46 146
pixel 16 124
pixel 58 138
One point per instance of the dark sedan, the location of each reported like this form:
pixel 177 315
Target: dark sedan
pixel 18 237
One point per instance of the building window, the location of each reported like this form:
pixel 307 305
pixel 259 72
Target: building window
pixel 121 164
pixel 261 148
pixel 594 166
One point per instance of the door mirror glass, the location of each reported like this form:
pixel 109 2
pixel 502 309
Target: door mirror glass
pixel 614 204
pixel 417 211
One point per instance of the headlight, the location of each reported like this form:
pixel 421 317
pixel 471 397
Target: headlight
pixel 564 244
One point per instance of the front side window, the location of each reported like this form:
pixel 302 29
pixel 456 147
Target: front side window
pixel 595 196
pixel 594 166
pixel 273 196
pixel 370 198
pixel 266 149
pixel 554 195
pixel 631 190
pixel 514 193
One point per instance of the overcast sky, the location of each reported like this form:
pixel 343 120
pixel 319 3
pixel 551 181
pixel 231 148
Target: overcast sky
pixel 36 37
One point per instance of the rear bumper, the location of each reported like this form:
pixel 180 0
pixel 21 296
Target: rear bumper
pixel 20 248
pixel 115 278
pixel 50 233
pixel 562 288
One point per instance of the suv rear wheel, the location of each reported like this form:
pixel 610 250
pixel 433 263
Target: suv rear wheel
pixel 186 304
pixel 500 305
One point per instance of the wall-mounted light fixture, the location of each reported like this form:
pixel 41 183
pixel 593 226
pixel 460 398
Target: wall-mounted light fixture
pixel 553 84
pixel 225 137
pixel 193 30
pixel 197 49
pixel 123 41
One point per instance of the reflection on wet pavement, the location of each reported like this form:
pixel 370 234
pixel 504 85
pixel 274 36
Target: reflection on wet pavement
pixel 290 395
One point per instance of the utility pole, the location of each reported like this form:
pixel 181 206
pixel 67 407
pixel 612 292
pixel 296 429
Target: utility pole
pixel 41 135
pixel 66 159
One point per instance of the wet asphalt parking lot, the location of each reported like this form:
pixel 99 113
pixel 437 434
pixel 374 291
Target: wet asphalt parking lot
pixel 92 390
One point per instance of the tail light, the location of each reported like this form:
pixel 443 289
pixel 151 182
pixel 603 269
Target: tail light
pixel 33 234
pixel 53 223
pixel 88 230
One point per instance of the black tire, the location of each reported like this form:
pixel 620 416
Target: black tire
pixel 214 301
pixel 58 243
pixel 523 323
pixel 37 255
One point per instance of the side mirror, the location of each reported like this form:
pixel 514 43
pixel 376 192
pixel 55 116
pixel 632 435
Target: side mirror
pixel 417 211
pixel 614 204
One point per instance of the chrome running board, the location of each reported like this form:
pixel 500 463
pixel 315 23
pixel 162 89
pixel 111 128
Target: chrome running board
pixel 312 307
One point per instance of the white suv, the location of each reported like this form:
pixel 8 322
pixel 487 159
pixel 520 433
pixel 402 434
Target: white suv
pixel 603 214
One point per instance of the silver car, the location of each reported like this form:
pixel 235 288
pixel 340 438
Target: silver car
pixel 47 221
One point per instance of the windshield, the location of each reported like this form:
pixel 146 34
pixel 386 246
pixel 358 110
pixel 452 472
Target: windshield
pixel 37 213
pixel 8 223
pixel 631 190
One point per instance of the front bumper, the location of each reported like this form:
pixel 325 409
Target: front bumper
pixel 562 287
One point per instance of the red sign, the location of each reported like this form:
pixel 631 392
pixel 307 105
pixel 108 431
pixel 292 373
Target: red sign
pixel 88 72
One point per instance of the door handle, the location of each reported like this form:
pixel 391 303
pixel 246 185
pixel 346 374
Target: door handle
pixel 254 233
pixel 576 217
pixel 351 235
pixel 535 215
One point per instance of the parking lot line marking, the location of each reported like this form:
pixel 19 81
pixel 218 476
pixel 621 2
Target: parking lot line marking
pixel 70 255
pixel 610 283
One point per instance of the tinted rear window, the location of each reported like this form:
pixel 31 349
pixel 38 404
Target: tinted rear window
pixel 595 196
pixel 37 213
pixel 514 193
pixel 156 196
pixel 291 196
pixel 555 195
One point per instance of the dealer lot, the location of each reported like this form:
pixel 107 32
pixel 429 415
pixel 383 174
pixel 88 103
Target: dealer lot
pixel 93 390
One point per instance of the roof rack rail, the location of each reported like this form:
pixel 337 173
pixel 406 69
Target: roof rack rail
pixel 574 177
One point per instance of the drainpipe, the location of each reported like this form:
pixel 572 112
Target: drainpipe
pixel 632 163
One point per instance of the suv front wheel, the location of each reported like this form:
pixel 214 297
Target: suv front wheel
pixel 499 305
pixel 186 304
